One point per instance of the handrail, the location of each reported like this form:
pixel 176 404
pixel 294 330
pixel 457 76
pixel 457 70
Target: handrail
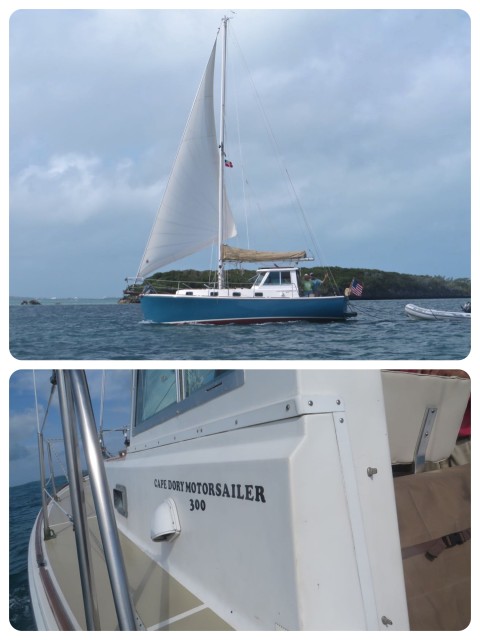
pixel 48 533
pixel 77 500
pixel 103 503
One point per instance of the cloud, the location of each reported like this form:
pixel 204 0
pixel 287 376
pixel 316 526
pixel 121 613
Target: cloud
pixel 72 188
pixel 23 427
pixel 371 115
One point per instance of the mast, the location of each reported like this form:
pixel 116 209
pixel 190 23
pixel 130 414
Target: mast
pixel 221 152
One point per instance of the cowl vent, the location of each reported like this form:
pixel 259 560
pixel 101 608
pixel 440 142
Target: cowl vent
pixel 165 525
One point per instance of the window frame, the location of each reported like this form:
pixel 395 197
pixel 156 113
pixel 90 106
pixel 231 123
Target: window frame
pixel 228 380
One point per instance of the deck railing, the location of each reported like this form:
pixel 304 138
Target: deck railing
pixel 77 416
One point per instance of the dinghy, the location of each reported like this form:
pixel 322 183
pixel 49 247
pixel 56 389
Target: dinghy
pixel 422 313
pixel 195 213
pixel 258 500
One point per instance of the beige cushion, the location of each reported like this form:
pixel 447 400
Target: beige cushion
pixel 408 397
pixel 431 505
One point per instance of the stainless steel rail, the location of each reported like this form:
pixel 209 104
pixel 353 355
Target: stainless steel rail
pixel 47 531
pixel 103 502
pixel 77 499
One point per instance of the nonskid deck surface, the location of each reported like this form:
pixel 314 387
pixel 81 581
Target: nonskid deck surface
pixel 160 601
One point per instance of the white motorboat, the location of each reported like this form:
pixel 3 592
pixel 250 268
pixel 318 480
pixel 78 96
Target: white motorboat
pixel 423 313
pixel 260 500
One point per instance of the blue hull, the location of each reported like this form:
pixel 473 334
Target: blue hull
pixel 172 309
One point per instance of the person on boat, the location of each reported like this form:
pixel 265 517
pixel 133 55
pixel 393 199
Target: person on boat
pixel 307 286
pixel 317 283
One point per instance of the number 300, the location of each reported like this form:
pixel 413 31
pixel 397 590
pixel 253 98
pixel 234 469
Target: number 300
pixel 197 505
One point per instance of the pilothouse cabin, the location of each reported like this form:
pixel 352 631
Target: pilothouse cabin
pixel 273 282
pixel 271 500
pixel 278 281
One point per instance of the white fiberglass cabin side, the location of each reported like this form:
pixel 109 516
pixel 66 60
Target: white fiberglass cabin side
pixel 269 476
pixel 277 282
pixel 271 500
pixel 272 282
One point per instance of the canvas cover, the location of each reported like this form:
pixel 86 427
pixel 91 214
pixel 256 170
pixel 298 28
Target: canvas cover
pixel 233 254
pixel 431 505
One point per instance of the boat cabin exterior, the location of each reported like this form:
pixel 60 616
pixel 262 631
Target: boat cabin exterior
pixel 273 500
pixel 271 282
pixel 278 281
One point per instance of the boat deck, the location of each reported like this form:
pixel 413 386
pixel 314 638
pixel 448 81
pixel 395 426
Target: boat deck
pixel 160 601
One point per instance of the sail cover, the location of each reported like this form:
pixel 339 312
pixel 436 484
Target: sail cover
pixel 187 220
pixel 232 254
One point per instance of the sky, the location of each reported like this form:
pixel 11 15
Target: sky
pixel 27 417
pixel 370 112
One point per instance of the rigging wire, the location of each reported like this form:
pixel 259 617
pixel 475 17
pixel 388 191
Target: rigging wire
pixel 293 192
pixel 102 401
pixel 272 138
pixel 52 391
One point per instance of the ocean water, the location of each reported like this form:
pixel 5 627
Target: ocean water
pixel 25 503
pixel 103 330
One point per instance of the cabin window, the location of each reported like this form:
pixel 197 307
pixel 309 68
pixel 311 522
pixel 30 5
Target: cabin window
pixel 163 394
pixel 273 278
pixel 195 379
pixel 157 390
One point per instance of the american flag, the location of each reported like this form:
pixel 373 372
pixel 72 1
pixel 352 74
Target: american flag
pixel 228 163
pixel 357 288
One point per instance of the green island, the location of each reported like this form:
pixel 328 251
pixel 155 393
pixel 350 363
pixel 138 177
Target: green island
pixel 377 285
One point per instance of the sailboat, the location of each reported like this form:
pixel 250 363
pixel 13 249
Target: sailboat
pixel 195 213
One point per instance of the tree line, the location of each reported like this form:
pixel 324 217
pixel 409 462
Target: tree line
pixel 377 285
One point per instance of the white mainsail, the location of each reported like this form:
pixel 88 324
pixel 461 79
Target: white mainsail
pixel 187 220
